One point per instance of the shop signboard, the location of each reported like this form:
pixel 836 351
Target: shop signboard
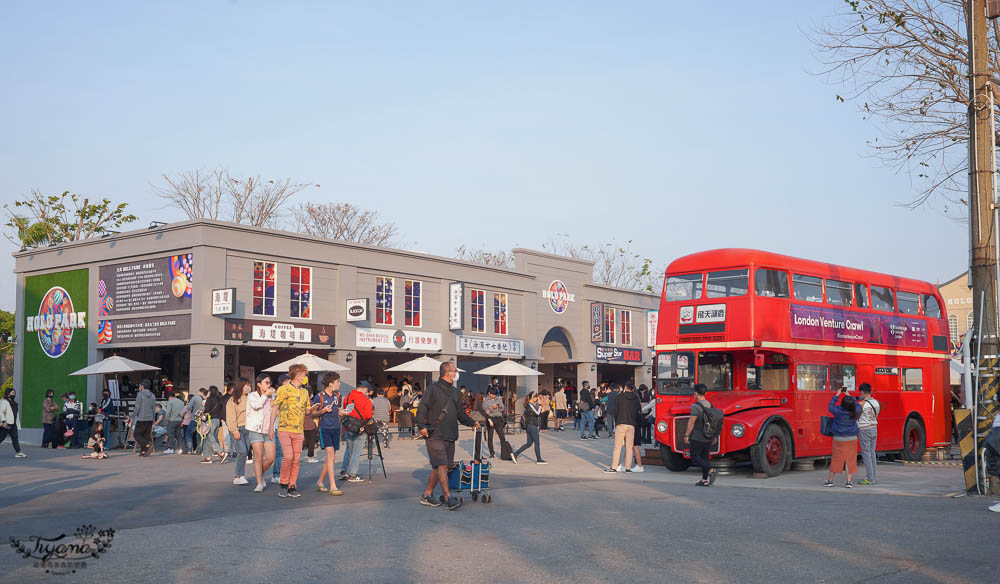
pixel 652 319
pixel 280 332
pixel 150 329
pixel 357 310
pixel 596 322
pixel 831 324
pixel 608 353
pixel 499 346
pixel 368 338
pixel 145 286
pixel 55 340
pixel 223 301
pixel 558 296
pixel 456 306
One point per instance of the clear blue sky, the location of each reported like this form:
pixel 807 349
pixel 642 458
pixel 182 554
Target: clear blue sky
pixel 680 125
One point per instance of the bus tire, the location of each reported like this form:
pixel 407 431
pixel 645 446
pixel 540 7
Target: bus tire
pixel 914 440
pixel 672 460
pixel 770 454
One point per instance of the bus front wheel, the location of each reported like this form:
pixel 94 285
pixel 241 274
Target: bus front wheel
pixel 914 440
pixel 770 453
pixel 672 460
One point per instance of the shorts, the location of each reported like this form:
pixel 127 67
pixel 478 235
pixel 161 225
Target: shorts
pixel 255 437
pixel 329 437
pixel 440 452
pixel 560 414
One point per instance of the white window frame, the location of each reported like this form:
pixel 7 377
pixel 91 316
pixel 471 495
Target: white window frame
pixel 506 305
pixel 300 292
pixel 420 311
pixel 622 320
pixel 392 312
pixel 953 328
pixel 472 313
pixel 610 332
pixel 970 321
pixel 263 304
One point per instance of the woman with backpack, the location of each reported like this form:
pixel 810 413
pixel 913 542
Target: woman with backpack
pixel 845 436
pixel 532 416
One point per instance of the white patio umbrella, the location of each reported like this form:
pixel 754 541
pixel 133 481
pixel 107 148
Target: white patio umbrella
pixel 115 364
pixel 312 363
pixel 423 364
pixel 508 368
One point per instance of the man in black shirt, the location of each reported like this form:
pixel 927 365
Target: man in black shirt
pixel 438 416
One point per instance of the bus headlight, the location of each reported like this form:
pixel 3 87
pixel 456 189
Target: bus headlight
pixel 661 426
pixel 737 430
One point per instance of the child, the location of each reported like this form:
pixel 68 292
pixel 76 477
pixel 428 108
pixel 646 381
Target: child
pixel 96 442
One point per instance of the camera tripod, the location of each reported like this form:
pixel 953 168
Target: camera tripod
pixel 378 447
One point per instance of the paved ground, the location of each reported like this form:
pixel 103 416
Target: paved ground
pixel 178 521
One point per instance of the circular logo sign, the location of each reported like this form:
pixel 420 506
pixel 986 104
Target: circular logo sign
pixel 399 339
pixel 559 296
pixel 356 310
pixel 54 330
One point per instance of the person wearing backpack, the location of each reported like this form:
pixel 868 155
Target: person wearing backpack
pixel 695 436
pixel 868 432
pixel 585 405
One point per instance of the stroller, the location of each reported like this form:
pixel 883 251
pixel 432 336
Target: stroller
pixel 472 476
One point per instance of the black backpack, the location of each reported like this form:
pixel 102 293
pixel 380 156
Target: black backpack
pixel 711 421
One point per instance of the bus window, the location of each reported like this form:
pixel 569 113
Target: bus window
pixel 675 373
pixel 842 376
pixel 774 377
pixel 686 287
pixel 931 307
pixel 727 283
pixel 908 302
pixel 838 293
pixel 882 299
pixel 753 377
pixel 715 371
pixel 771 283
pixel 913 379
pixel 808 288
pixel 861 295
pixel 811 377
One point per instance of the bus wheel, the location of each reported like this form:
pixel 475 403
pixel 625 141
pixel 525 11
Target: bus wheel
pixel 672 460
pixel 914 440
pixel 769 454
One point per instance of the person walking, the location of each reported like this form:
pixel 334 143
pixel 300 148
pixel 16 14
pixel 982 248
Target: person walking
pixel 626 416
pixel 585 405
pixel 328 400
pixel 438 416
pixel 532 420
pixel 9 422
pixel 191 410
pixel 216 412
pixel 175 416
pixel 360 408
pixel 694 437
pixel 561 408
pixel 868 433
pixel 144 413
pixel 845 410
pixel 49 413
pixel 260 434
pixel 292 400
pixel 493 412
pixel 236 422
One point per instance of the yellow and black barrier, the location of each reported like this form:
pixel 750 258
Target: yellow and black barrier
pixel 967 444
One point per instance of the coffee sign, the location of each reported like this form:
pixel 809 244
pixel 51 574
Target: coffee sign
pixel 357 310
pixel 280 332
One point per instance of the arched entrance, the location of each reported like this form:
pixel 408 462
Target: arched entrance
pixel 557 358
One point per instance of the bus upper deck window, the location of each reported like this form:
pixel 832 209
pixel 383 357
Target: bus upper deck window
pixel 861 295
pixel 931 307
pixel 808 288
pixel 728 283
pixel 882 299
pixel 686 287
pixel 771 283
pixel 908 302
pixel 838 293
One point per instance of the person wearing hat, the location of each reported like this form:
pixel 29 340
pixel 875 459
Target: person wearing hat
pixel 493 411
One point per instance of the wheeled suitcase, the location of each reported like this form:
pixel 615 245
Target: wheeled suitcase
pixel 472 476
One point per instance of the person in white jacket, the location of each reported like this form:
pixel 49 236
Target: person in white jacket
pixel 9 422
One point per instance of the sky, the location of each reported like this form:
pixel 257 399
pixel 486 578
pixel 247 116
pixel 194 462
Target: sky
pixel 681 126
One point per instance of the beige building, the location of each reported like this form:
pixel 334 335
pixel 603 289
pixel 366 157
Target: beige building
pixel 957 297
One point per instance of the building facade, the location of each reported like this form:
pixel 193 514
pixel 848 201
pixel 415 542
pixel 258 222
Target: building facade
pixel 957 296
pixel 206 301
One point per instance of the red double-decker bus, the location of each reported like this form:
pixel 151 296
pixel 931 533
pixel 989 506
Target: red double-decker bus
pixel 773 336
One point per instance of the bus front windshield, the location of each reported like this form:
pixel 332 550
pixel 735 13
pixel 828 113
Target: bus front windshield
pixel 715 370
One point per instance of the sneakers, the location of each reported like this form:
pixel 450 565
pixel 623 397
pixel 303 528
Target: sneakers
pixel 206 461
pixel 620 468
pixel 168 451
pixel 540 461
pixel 312 460
pixel 282 491
pixel 224 456
pixel 20 455
pixel 637 468
pixel 241 481
pixel 583 437
pixel 429 500
pixel 610 470
pixel 849 485
pixel 868 482
pixel 355 479
pixel 259 487
pixel 453 503
pixel 293 492
pixel 827 483
pixel 513 458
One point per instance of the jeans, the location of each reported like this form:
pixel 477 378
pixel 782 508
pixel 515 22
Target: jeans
pixel 229 440
pixel 576 421
pixel 609 421
pixel 241 453
pixel 47 435
pixel 175 436
pixel 496 427
pixel 699 456
pixel 278 457
pixel 352 457
pixel 868 438
pixel 190 436
pixel 586 418
pixel 532 432
pixel 623 437
pixel 10 430
pixel 291 444
pixel 211 441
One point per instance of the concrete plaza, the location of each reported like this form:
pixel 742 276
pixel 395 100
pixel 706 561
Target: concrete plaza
pixel 176 520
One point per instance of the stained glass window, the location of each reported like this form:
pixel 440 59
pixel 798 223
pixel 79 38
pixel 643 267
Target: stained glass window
pixel 263 288
pixel 626 318
pixel 609 325
pixel 301 292
pixel 412 300
pixel 383 300
pixel 499 313
pixel 478 310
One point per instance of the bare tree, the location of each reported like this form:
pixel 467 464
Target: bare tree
pixel 614 265
pixel 905 63
pixel 500 258
pixel 218 194
pixel 345 222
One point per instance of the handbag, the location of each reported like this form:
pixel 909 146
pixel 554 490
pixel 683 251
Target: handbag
pixel 826 425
